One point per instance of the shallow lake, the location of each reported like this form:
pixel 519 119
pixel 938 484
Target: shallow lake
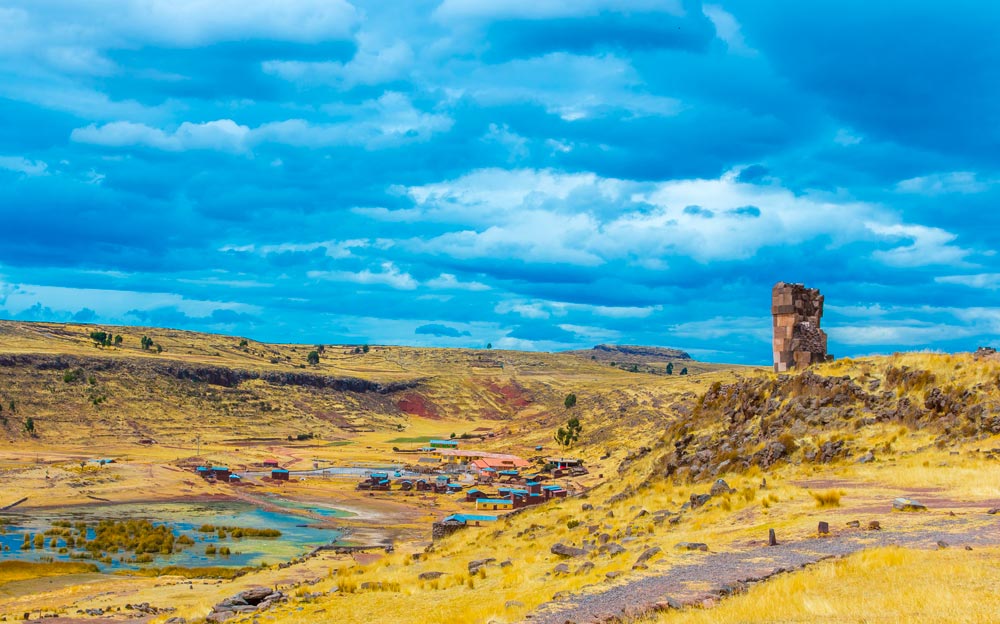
pixel 298 533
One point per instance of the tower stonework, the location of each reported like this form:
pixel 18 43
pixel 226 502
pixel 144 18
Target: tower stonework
pixel 798 340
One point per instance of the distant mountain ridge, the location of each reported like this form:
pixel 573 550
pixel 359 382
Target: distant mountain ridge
pixel 641 351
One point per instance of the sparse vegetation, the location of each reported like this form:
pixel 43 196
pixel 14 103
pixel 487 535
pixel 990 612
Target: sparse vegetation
pixel 313 358
pixel 570 400
pixel 568 435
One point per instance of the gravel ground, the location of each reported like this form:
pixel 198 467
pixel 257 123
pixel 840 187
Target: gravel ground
pixel 725 572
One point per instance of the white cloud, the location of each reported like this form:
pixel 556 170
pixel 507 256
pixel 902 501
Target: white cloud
pixel 372 64
pixel 758 327
pixel 580 218
pixel 390 275
pixel 332 248
pixel 23 165
pixel 847 137
pixel 965 182
pixel 569 85
pixel 187 22
pixel 927 246
pixel 728 29
pixel 447 281
pixel 542 309
pixel 548 9
pixel 389 120
pixel 222 135
pixel 986 281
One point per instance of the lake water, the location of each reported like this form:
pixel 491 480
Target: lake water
pixel 298 533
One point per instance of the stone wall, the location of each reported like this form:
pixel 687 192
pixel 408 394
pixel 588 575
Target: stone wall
pixel 798 340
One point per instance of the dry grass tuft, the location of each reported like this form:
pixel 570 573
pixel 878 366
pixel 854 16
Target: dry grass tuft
pixel 829 498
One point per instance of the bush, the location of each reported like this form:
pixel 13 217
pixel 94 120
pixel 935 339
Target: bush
pixel 830 498
pixel 313 358
pixel 570 400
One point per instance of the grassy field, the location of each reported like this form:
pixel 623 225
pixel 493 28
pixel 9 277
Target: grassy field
pixel 837 444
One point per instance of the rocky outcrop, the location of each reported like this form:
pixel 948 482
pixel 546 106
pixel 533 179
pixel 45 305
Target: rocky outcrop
pixel 249 601
pixel 650 352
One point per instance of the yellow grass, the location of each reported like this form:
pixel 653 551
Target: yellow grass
pixel 23 570
pixel 884 585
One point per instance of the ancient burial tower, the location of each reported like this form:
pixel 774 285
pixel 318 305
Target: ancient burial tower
pixel 798 340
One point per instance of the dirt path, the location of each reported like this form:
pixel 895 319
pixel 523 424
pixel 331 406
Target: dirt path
pixel 712 575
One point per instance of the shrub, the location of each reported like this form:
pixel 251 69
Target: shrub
pixel 830 498
pixel 570 400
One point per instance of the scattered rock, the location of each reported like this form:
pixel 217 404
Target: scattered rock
pixel 648 554
pixel 584 568
pixel 772 540
pixel 824 528
pixel 513 604
pixel 641 514
pixel 478 563
pixel 613 574
pixel 867 457
pixel 994 511
pixel 874 526
pixel 667 604
pixel 612 549
pixel 907 504
pixel 691 546
pixel 854 524
pixel 720 487
pixel 587 507
pixel 567 551
pixel 603 538
pixel 675 519
pixel 697 500
pixel 942 544
pixel 506 563
pixel 560 569
pixel 430 576
pixel 968 547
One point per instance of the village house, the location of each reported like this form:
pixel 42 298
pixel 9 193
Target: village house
pixel 494 504
pixel 279 474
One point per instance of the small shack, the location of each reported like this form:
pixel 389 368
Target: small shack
pixel 235 479
pixel 279 474
pixel 494 504
pixel 422 485
pixel 405 485
pixel 221 473
pixel 554 491
pixel 454 487
pixel 204 472
pixel 270 463
pixel 474 494
pixel 444 444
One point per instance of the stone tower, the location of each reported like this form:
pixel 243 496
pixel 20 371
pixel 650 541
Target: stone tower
pixel 798 340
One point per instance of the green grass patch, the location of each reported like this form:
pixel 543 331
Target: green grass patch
pixel 340 443
pixel 414 440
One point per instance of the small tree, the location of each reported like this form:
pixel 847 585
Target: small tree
pixel 489 345
pixel 670 368
pixel 570 400
pixel 118 341
pixel 684 371
pixel 146 343
pixel 29 425
pixel 364 349
pixel 313 358
pixel 569 434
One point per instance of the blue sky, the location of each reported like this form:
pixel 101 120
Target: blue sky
pixel 538 174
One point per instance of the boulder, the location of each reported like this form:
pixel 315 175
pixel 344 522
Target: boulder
pixel 430 576
pixel 697 500
pixel 648 554
pixel 478 563
pixel 720 487
pixel 867 457
pixel 612 549
pixel 567 551
pixel 613 575
pixel 854 524
pixel 691 546
pixel 560 569
pixel 513 604
pixel 584 568
pixel 907 504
